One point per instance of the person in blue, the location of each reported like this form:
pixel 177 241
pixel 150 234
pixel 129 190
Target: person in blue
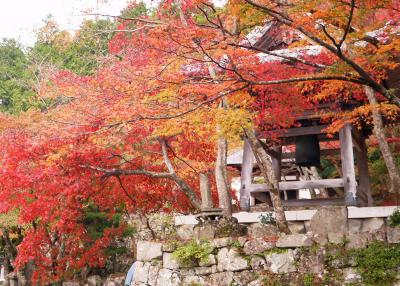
pixel 130 274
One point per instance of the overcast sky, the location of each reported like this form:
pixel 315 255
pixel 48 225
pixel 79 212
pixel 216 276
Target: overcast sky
pixel 20 18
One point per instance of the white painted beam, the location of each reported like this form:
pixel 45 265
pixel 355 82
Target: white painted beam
pixel 300 215
pixel 297 185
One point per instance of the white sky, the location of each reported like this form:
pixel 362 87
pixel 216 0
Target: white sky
pixel 20 18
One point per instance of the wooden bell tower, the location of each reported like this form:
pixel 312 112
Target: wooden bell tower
pixel 349 145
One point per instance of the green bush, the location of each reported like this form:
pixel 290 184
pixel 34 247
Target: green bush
pixel 394 219
pixel 308 280
pixel 267 218
pixel 378 263
pixel 193 252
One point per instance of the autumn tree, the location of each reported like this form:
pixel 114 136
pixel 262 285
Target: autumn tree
pixel 81 53
pixel 361 36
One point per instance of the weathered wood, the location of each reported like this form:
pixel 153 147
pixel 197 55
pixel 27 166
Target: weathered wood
pixel 265 166
pixel 299 131
pixel 347 158
pixel 245 176
pixel 321 138
pixel 297 185
pixel 317 112
pixel 324 152
pixel 363 174
pixel 303 202
pixel 313 202
pixel 205 191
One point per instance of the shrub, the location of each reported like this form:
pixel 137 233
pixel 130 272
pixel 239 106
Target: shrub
pixel 308 280
pixel 267 218
pixel 394 219
pixel 193 252
pixel 378 263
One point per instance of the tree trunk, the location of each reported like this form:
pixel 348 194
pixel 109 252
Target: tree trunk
pixel 186 189
pixel 379 133
pixel 205 191
pixel 221 177
pixel 221 174
pixel 225 201
pixel 6 265
pixel 265 165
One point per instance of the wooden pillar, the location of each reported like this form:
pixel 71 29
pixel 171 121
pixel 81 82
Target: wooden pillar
pixel 347 157
pixel 245 176
pixel 363 174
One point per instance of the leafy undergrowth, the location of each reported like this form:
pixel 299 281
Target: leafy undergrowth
pixel 193 252
pixel 378 264
pixel 394 219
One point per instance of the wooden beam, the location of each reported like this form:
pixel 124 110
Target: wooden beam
pixel 313 202
pixel 321 138
pixel 297 185
pixel 314 184
pixel 348 172
pixel 308 130
pixel 245 176
pixel 324 152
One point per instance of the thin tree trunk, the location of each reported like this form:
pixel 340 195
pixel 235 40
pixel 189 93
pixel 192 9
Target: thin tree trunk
pixel 265 166
pixel 9 254
pixel 220 165
pixel 6 265
pixel 186 189
pixel 205 191
pixel 221 173
pixel 379 133
pixel 221 177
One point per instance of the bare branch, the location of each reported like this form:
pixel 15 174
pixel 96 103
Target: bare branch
pixel 328 35
pixel 124 190
pixel 348 26
pixel 310 78
pixel 182 160
pixel 278 15
pixel 119 172
pixel 129 19
pixel 124 30
pixel 364 74
pixel 210 100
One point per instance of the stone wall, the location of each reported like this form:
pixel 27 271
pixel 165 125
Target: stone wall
pixel 314 254
pixel 309 256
